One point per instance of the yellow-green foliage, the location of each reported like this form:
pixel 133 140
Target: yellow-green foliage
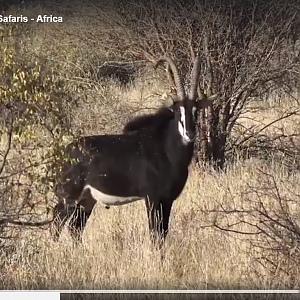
pixel 30 90
pixel 33 94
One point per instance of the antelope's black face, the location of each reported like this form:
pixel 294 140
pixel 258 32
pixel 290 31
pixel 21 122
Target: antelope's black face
pixel 186 113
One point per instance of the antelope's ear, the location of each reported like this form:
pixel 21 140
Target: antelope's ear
pixel 169 100
pixel 206 102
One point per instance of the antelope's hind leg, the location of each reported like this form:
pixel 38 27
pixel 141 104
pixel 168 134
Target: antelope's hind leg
pixel 61 214
pixel 80 217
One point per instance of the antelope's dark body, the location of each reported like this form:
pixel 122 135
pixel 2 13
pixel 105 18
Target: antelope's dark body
pixel 149 161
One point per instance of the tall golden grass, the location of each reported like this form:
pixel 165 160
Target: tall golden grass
pixel 117 254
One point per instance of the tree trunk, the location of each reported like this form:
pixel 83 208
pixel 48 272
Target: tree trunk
pixel 213 136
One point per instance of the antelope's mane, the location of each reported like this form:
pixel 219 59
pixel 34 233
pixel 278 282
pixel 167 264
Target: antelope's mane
pixel 150 121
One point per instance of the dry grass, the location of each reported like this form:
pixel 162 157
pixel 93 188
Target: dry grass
pixel 116 253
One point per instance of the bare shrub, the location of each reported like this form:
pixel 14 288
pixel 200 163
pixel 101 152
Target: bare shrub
pixel 268 217
pixel 248 50
pixel 122 73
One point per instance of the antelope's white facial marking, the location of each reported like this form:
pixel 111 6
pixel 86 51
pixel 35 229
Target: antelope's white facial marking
pixel 182 126
pixel 194 110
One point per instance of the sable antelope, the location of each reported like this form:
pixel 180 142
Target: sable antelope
pixel 148 161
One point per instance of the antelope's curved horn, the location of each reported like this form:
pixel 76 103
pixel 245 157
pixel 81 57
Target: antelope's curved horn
pixel 194 79
pixel 178 81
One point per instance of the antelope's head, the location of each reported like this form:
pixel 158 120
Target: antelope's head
pixel 186 106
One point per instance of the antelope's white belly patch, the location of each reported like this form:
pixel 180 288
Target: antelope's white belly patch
pixel 107 200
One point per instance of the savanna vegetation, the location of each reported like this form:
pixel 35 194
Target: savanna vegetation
pixel 236 224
